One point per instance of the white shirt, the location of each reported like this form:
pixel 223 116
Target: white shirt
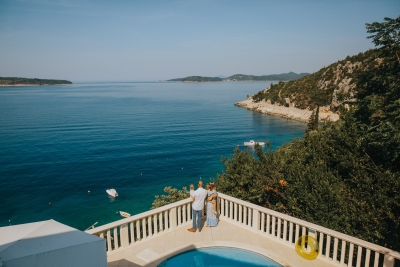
pixel 199 196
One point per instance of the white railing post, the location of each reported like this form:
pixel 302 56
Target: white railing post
pixel 124 235
pixel 388 261
pixel 256 220
pixel 172 218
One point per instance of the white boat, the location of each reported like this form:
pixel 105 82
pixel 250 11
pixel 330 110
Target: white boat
pixel 112 192
pixel 253 143
pixel 124 214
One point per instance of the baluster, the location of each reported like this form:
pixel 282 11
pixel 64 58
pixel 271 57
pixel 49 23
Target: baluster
pixel 376 261
pixel 167 224
pixel 132 232
pixel 297 233
pixel 335 249
pixel 184 219
pixel 343 253
pixel 328 246
pixel 388 261
pixel 367 257
pixel 179 215
pixel 268 224
pixel 273 226
pixel 124 235
pixel 291 233
pixel 278 234
pixel 256 219
pixel 109 247
pixel 321 242
pixel 160 222
pixel 262 222
pixel 350 263
pixel 138 237
pixel 150 225
pixel 245 215
pixel 359 251
pixel 284 230
pixel 116 239
pixel 222 207
pixel 101 235
pixel 155 220
pixel 231 210
pixel 144 230
pixel 241 214
pixel 188 208
pixel 234 214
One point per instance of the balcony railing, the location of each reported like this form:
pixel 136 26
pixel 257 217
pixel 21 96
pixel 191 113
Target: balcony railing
pixel 334 247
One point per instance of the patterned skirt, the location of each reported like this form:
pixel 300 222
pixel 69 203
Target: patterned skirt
pixel 212 219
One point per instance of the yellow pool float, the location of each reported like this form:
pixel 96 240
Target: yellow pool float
pixel 307 247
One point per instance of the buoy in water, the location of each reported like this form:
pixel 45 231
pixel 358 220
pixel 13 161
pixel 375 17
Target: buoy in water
pixel 88 191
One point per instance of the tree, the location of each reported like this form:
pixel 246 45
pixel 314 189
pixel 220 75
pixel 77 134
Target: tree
pixel 386 34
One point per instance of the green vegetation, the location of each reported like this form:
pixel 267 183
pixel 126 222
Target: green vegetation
pixel 27 81
pixel 344 175
pixel 273 77
pixel 242 77
pixel 197 79
pixel 330 86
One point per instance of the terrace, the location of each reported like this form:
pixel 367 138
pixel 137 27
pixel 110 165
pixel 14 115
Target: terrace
pixel 147 239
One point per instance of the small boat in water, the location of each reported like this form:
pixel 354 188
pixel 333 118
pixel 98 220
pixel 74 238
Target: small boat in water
pixel 112 192
pixel 253 143
pixel 124 214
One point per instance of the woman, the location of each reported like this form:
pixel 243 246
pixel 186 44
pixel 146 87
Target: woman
pixel 212 219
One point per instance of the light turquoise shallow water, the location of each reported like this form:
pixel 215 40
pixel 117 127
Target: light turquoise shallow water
pixel 58 142
pixel 219 257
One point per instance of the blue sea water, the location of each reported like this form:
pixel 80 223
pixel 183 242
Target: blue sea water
pixel 59 142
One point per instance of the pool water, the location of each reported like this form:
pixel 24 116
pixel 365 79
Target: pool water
pixel 219 257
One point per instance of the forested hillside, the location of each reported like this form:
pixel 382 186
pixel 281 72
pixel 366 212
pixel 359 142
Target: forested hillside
pixel 345 175
pixel 331 86
pixel 27 81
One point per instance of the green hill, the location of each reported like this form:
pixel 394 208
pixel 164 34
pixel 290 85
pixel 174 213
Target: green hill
pixel 273 77
pixel 242 77
pixel 332 86
pixel 197 79
pixel 4 81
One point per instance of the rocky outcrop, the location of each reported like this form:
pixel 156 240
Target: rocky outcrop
pixel 290 112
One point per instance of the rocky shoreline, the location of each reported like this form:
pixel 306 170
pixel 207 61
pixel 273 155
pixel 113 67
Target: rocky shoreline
pixel 286 112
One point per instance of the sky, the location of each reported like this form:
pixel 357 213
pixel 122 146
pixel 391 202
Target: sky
pixel 132 40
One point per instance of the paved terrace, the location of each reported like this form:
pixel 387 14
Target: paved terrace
pixel 149 238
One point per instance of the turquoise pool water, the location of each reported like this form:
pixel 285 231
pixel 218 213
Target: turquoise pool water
pixel 219 257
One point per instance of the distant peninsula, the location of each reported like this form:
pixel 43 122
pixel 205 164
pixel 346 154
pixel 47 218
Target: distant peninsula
pixel 15 81
pixel 290 76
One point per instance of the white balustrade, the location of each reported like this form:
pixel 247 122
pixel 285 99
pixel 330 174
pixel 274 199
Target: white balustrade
pixel 334 247
pixel 351 252
pixel 144 226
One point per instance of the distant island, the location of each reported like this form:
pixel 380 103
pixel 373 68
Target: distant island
pixel 290 76
pixel 15 81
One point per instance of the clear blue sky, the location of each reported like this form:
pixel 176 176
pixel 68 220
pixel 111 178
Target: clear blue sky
pixel 150 40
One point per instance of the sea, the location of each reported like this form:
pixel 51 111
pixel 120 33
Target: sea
pixel 61 147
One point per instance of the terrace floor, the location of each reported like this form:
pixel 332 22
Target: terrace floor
pixel 152 252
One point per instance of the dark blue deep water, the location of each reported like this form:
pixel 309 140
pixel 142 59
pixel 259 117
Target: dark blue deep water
pixel 58 142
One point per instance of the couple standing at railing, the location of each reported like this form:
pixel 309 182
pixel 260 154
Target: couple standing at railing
pixel 199 196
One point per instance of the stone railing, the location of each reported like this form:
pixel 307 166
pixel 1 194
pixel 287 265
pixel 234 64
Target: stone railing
pixel 144 226
pixel 334 247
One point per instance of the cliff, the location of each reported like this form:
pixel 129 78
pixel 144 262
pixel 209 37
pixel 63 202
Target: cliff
pixel 329 88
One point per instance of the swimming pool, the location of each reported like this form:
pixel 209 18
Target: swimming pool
pixel 218 257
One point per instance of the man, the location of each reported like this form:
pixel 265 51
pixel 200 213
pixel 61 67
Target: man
pixel 198 205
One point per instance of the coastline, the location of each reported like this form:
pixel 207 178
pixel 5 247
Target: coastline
pixel 17 85
pixel 293 113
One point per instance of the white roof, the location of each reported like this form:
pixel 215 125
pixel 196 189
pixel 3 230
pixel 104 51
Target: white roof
pixel 29 239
